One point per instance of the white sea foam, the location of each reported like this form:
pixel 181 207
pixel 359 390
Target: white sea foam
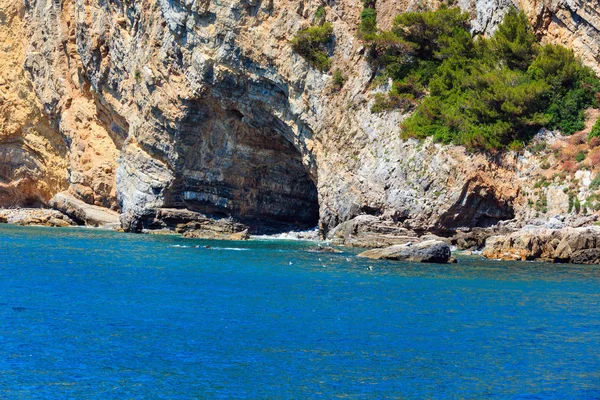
pixel 309 235
pixel 181 246
pixel 228 248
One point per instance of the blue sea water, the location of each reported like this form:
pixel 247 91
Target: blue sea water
pixel 90 314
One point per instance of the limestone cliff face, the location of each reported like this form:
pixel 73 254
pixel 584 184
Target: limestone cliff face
pixel 32 154
pixel 203 105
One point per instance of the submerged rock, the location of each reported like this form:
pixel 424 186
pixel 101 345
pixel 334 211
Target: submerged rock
pixel 568 245
pixel 431 251
pixel 324 249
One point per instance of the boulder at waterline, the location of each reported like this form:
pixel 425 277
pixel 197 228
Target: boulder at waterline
pixel 214 235
pixel 84 213
pixel 430 251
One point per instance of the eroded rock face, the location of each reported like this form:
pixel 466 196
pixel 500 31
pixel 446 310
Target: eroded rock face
pixel 202 106
pixel 569 245
pixel 33 155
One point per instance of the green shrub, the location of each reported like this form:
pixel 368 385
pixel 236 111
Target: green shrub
pixel 514 41
pixel 311 43
pixel 394 101
pixel 485 94
pixel 538 147
pixel 320 15
pixel 338 78
pixel 367 28
pixel 580 156
pixel 571 203
pixel 595 132
pixel 541 204
pixel 577 205
pixel 595 184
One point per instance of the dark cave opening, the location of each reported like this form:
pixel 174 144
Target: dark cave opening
pixel 247 171
pixel 480 208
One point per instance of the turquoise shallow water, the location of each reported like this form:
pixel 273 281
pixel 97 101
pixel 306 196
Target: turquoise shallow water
pixel 90 314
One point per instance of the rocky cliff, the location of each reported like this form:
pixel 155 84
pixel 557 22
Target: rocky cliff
pixel 202 105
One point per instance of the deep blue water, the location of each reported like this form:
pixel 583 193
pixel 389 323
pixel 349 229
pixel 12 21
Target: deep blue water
pixel 90 314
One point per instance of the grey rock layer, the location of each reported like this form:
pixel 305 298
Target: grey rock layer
pixel 430 251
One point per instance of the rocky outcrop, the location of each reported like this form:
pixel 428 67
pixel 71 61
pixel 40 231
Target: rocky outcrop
pixel 84 213
pixel 430 251
pixel 215 235
pixel 567 245
pixel 171 112
pixel 208 228
pixel 371 231
pixel 35 217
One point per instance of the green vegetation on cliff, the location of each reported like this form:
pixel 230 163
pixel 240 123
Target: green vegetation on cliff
pixel 484 93
pixel 311 43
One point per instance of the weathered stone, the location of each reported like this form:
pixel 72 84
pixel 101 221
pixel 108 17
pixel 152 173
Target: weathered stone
pixel 428 252
pixel 575 245
pixel 240 235
pixel 370 231
pixel 215 235
pixel 85 213
pixel 35 216
pixel 588 256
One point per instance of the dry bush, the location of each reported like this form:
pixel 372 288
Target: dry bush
pixel 594 142
pixel 567 153
pixel 578 138
pixel 594 158
pixel 570 166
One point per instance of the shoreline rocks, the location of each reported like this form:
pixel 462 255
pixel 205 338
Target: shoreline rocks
pixel 84 213
pixel 214 235
pixel 367 231
pixel 430 251
pixel 35 217
pixel 567 245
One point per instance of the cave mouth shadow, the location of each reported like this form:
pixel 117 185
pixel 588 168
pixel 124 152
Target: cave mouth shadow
pixel 247 171
pixel 480 208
